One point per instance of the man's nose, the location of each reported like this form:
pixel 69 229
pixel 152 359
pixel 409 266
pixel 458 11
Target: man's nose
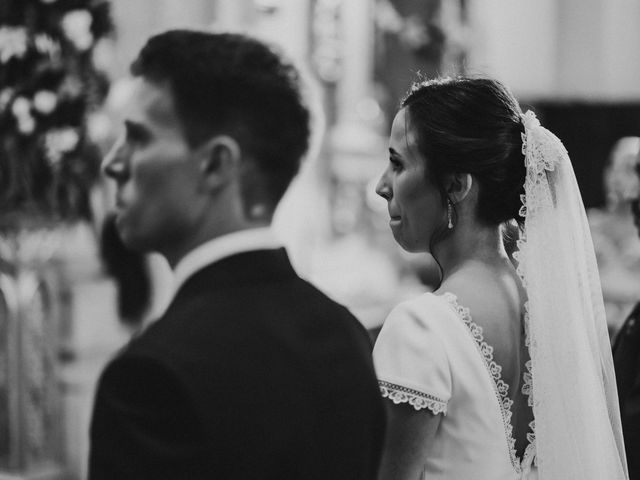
pixel 114 164
pixel 382 188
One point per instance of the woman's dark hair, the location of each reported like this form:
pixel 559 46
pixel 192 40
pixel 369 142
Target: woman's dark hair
pixel 471 125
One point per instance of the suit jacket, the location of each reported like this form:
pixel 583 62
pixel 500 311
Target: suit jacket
pixel 252 373
pixel 626 357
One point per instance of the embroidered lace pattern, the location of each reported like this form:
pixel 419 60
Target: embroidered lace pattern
pixel 418 400
pixel 558 267
pixel 527 389
pixel 501 388
pixel 542 153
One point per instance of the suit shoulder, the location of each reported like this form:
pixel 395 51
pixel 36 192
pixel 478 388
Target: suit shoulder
pixel 315 294
pixel 326 302
pixel 139 374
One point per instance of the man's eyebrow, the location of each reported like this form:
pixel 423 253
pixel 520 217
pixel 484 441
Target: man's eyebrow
pixel 393 153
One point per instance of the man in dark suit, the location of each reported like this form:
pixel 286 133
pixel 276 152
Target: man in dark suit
pixel 251 373
pixel 626 358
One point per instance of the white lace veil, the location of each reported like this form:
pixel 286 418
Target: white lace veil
pixel 578 433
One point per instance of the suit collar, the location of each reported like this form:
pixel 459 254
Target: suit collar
pixel 221 247
pixel 237 271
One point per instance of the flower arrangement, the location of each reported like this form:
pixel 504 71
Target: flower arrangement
pixel 49 86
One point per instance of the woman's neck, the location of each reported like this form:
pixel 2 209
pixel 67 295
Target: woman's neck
pixel 473 244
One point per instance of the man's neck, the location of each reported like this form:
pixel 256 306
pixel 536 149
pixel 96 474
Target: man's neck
pixel 205 235
pixel 241 241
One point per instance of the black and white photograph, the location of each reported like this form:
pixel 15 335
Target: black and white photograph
pixel 319 240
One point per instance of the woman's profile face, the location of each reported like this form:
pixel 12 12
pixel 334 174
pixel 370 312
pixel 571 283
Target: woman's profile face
pixel 414 202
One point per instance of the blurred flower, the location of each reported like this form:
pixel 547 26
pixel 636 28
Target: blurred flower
pixel 49 86
pixel 77 27
pixel 13 43
pixel 60 141
pixel 103 54
pixel 26 124
pixel 45 101
pixel 71 87
pixel 5 98
pixel 21 107
pixel 45 44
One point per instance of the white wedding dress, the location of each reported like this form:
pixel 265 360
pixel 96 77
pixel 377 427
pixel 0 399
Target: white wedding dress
pixel 431 355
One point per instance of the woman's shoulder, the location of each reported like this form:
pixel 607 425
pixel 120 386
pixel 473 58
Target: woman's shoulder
pixel 426 310
pixel 410 355
pixel 428 319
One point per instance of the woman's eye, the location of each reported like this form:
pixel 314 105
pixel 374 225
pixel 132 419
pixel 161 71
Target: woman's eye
pixel 395 164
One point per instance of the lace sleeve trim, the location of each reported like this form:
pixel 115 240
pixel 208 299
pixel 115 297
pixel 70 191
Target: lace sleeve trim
pixel 418 400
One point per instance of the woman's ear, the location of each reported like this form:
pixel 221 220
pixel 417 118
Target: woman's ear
pixel 459 186
pixel 219 161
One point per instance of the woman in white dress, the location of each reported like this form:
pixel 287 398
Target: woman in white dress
pixel 502 372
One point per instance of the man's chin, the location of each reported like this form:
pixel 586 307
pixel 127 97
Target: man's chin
pixel 128 236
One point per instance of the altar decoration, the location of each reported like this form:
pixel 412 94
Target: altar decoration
pixel 49 91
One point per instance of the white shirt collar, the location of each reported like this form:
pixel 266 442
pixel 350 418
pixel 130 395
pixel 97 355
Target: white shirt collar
pixel 224 246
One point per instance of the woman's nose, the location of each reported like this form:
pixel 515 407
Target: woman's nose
pixel 382 188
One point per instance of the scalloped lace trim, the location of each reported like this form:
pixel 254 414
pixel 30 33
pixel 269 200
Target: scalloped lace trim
pixel 533 179
pixel 501 388
pixel 419 400
pixel 527 389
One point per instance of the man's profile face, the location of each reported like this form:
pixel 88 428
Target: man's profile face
pixel 157 198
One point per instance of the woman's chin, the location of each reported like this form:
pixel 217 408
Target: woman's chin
pixel 410 247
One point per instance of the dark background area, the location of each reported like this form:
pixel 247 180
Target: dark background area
pixel 589 131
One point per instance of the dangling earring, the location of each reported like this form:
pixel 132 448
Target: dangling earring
pixel 449 214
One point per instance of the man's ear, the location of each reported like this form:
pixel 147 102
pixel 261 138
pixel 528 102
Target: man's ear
pixel 219 161
pixel 458 186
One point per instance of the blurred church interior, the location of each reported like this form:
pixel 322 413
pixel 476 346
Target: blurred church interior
pixel 71 295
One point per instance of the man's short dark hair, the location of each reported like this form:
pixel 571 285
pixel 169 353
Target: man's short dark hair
pixel 233 84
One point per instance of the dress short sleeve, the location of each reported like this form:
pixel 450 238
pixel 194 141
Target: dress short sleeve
pixel 410 359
